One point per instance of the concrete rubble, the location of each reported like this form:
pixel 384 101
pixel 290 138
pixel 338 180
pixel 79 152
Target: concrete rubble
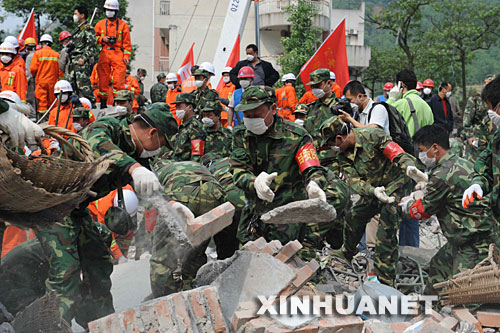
pixel 304 211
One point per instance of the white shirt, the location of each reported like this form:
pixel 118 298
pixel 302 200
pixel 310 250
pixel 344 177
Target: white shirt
pixel 379 116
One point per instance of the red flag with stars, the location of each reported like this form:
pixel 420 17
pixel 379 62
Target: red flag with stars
pixel 332 54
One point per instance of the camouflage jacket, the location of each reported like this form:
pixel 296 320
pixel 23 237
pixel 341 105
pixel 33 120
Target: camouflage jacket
pixel 474 113
pixel 218 143
pixel 486 131
pixel 140 97
pixel 158 92
pixel 443 197
pixel 319 111
pixel 190 141
pixel 207 94
pixel 85 46
pixel 374 161
pixel 221 169
pixel 487 173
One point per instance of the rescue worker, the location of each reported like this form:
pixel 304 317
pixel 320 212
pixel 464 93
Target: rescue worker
pixel 66 42
pixel 132 85
pixel 377 169
pixel 158 91
pixel 469 232
pixel 141 76
pixel 218 138
pixel 30 46
pixel 188 84
pixel 420 88
pixel 300 114
pixel 225 92
pixel 190 142
pixel 18 60
pixel 81 118
pixel 246 76
pixel 173 90
pixel 45 70
pixel 12 77
pixel 122 105
pixel 307 98
pixel 428 86
pixel 335 86
pixel 201 80
pixel 286 97
pixel 383 98
pixel 113 35
pixel 61 113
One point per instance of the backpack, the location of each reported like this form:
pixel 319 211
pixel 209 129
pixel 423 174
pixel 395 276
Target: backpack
pixel 397 127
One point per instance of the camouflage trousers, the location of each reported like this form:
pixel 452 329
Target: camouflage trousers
pixel 80 75
pixel 78 245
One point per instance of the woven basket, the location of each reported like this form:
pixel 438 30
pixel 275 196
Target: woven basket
pixel 478 285
pixel 43 189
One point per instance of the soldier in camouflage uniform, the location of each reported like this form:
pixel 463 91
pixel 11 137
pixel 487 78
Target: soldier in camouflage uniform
pixel 320 109
pixel 274 162
pixel 76 244
pixel 468 231
pixel 140 76
pixel 123 99
pixel 218 140
pixel 204 92
pixel 158 91
pixel 376 168
pixel 190 142
pixel 173 267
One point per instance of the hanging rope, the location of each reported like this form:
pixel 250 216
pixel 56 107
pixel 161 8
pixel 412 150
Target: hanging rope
pixel 185 31
pixel 208 29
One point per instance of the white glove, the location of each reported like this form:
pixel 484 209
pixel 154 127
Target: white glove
pixel 404 204
pixel 54 144
pixel 419 194
pixel 261 185
pixel 145 181
pixel 494 117
pixel 382 196
pixel 230 128
pixel 418 176
pixel 468 196
pixel 314 191
pixel 183 211
pixel 395 93
pixel 19 128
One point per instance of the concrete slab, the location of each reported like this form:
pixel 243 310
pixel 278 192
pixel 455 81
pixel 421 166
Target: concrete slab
pixel 304 211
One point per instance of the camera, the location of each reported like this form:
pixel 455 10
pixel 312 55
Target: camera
pixel 342 104
pixel 112 40
pixel 70 47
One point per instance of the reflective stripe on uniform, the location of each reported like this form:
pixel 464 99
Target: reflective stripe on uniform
pixel 48 58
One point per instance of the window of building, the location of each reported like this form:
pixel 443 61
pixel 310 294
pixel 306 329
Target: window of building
pixel 164 7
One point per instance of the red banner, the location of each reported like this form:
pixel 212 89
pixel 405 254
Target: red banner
pixel 306 157
pixel 332 54
pixel 29 29
pixel 233 59
pixel 185 69
pixel 197 147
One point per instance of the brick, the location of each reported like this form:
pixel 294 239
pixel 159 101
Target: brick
pixel 212 299
pixel 272 247
pixel 344 324
pixel 106 324
pixel 128 318
pixel 258 325
pixel 295 262
pixel 489 318
pixel 372 326
pixel 435 316
pixel 255 246
pixel 207 225
pixel 429 325
pixel 163 316
pixel 181 313
pixel 449 323
pixel 288 251
pixel 462 314
pixel 241 317
pixel 306 329
pixel 303 275
pixel 199 309
pixel 399 327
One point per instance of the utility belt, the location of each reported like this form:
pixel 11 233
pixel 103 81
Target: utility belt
pixel 112 48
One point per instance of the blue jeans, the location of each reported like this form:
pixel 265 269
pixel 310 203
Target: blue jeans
pixel 409 232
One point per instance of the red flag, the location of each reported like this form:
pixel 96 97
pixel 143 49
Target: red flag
pixel 332 54
pixel 185 70
pixel 29 29
pixel 233 59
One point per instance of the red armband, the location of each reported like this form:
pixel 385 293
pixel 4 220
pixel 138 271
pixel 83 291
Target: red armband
pixel 197 147
pixel 417 211
pixel 306 157
pixel 392 150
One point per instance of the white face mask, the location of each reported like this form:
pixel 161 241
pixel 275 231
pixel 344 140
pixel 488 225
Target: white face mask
pixel 495 118
pixel 75 18
pixel 64 98
pixel 427 91
pixel 121 110
pixel 148 153
pixel 226 79
pixel 110 13
pixel 180 113
pixel 208 122
pixel 171 86
pixel 198 83
pixel 448 94
pixel 6 59
pixel 354 107
pixel 142 78
pixel 428 162
pixel 256 125
pixel 318 93
pixel 250 57
pixel 299 122
pixel 244 84
pixel 77 127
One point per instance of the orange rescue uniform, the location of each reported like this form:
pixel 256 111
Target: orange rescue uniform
pixel 14 236
pixel 133 85
pixel 336 89
pixel 286 99
pixel 307 98
pixel 19 61
pixel 64 113
pixel 13 78
pixel 171 96
pixel 226 91
pixel 45 69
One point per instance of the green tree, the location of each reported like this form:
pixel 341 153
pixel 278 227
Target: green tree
pixel 384 65
pixel 301 44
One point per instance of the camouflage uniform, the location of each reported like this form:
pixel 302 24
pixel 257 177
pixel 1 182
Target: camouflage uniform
pixel 158 91
pixel 86 49
pixel 195 187
pixel 207 94
pixel 486 131
pixel 468 231
pixel 474 116
pixel 374 161
pixel 218 141
pixel 286 148
pixel 319 110
pixel 141 100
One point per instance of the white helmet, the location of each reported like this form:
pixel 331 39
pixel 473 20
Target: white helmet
pixel 287 77
pixel 332 76
pixel 46 38
pixel 171 77
pixel 7 47
pixel 86 102
pixel 131 202
pixel 62 87
pixel 10 96
pixel 226 70
pixel 112 4
pixel 208 67
pixel 13 40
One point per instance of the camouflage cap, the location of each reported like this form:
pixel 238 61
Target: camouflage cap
pixel 124 95
pixel 332 127
pixel 81 112
pixel 213 106
pixel 187 98
pixel 255 96
pixel 160 76
pixel 158 115
pixel 301 108
pixel 202 72
pixel 319 75
pixel 142 71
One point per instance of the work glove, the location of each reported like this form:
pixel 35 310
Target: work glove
pixel 404 204
pixel 314 191
pixel 19 128
pixel 418 176
pixel 75 100
pixel 382 196
pixel 230 128
pixel 145 181
pixel 261 185
pixel 468 197
pixel 395 93
pixel 183 211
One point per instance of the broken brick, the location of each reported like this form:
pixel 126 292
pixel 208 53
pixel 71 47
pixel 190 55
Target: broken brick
pixel 255 246
pixel 347 324
pixel 241 317
pixel 399 327
pixel 435 316
pixel 462 314
pixel 489 319
pixel 449 323
pixel 272 247
pixel 303 275
pixel 288 251
pixel 207 225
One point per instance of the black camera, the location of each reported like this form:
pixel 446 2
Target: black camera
pixel 70 47
pixel 342 104
pixel 111 40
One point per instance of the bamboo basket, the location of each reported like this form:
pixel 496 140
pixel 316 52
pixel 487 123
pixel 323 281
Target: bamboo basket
pixel 36 191
pixel 478 285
